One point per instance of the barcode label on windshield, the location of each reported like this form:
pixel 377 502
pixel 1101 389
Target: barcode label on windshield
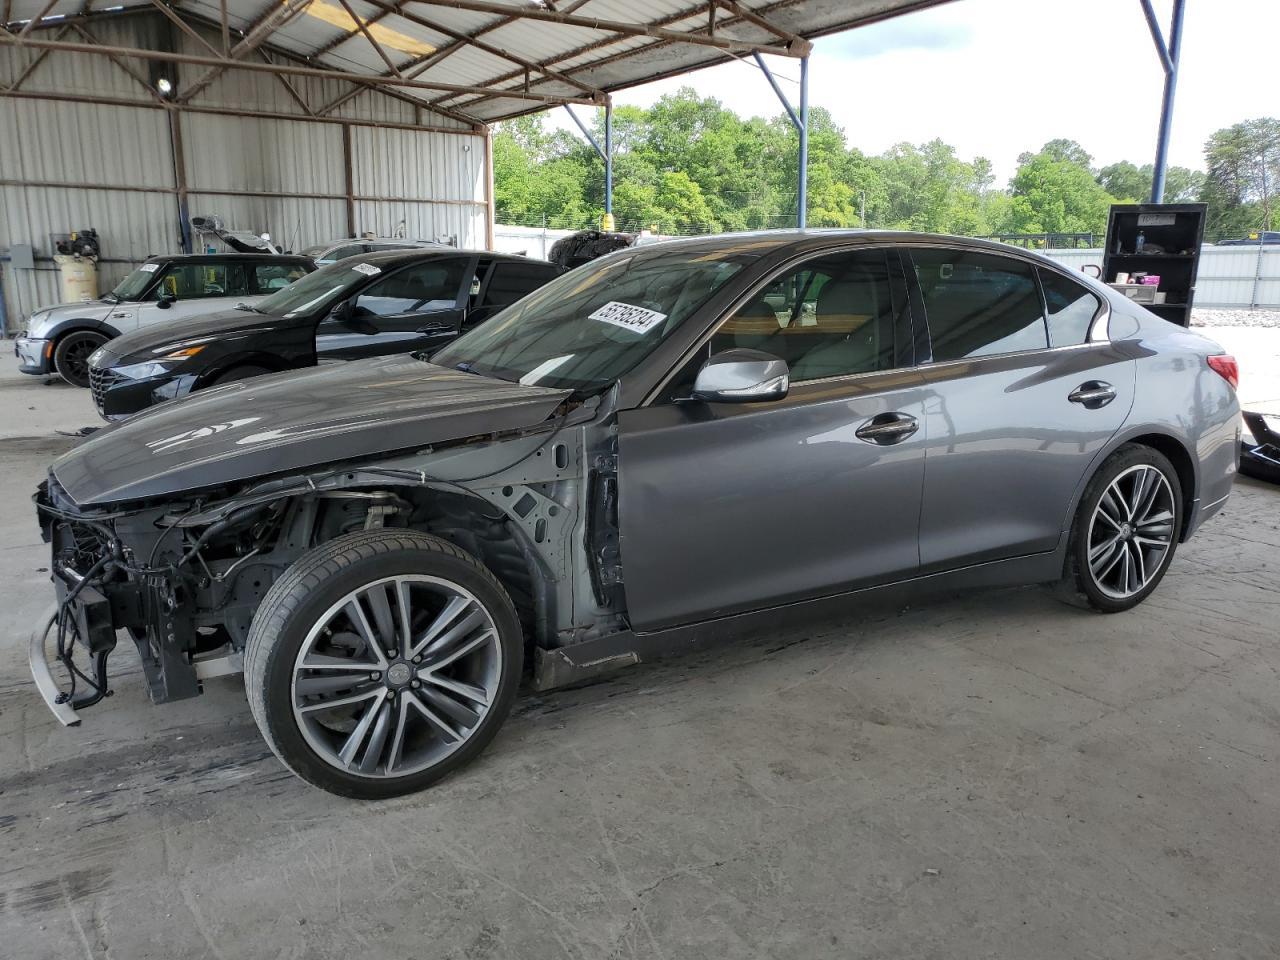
pixel 638 319
pixel 368 269
pixel 149 267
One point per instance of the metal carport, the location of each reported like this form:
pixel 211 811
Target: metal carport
pixel 457 65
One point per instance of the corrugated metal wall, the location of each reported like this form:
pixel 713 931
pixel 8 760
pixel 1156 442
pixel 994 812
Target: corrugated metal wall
pixel 284 176
pixel 1227 276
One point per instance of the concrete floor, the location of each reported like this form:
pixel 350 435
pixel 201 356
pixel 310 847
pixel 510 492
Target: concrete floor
pixel 994 775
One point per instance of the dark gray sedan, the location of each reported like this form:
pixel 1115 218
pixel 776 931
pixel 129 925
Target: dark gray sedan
pixel 674 441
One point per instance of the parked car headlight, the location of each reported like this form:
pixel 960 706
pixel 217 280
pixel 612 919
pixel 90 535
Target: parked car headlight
pixel 154 368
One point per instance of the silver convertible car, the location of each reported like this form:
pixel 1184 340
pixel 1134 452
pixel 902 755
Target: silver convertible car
pixel 675 441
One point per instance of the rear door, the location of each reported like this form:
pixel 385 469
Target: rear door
pixel 417 307
pixel 1017 407
pixel 730 507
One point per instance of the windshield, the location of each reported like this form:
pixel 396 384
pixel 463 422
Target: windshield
pixel 131 287
pixel 318 290
pixel 589 327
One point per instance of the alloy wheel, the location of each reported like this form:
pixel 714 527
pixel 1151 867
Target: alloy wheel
pixel 1131 531
pixel 74 361
pixel 396 676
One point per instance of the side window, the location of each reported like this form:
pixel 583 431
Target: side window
pixel 830 317
pixel 237 280
pixel 192 281
pixel 420 288
pixel 270 277
pixel 1071 309
pixel 511 280
pixel 978 304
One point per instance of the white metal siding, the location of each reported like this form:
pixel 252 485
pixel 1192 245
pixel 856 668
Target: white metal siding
pixel 1227 276
pixel 234 163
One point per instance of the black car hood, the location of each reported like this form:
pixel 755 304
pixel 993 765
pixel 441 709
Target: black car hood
pixel 142 344
pixel 290 421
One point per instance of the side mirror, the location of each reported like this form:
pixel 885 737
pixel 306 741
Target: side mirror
pixel 740 375
pixel 165 302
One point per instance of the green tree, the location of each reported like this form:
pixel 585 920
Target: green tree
pixel 1130 183
pixel 1243 163
pixel 1053 193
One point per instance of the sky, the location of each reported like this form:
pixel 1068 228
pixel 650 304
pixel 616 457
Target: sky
pixel 995 78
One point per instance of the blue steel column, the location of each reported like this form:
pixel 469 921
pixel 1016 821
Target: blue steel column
pixel 608 164
pixel 802 198
pixel 1170 63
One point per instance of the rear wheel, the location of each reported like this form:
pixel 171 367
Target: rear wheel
pixel 71 356
pixel 381 661
pixel 1125 530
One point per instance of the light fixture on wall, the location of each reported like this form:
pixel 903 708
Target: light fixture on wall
pixel 165 86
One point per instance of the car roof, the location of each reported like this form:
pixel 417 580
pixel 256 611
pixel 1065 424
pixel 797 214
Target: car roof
pixel 766 241
pixel 236 257
pixel 393 257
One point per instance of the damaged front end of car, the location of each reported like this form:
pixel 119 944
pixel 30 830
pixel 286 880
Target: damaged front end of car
pixel 184 575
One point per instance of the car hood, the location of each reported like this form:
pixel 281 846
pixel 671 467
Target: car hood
pixel 145 343
pixel 291 421
pixel 80 310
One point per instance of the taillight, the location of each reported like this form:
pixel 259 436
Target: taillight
pixel 1225 366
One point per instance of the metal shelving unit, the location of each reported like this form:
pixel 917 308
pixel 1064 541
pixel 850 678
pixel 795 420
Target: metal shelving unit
pixel 1172 234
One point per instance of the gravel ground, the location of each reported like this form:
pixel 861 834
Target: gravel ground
pixel 1263 317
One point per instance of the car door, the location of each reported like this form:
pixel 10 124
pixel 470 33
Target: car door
pixel 728 507
pixel 190 288
pixel 416 307
pixel 1013 420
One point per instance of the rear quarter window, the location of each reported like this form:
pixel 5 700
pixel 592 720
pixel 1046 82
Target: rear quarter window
pixel 1071 309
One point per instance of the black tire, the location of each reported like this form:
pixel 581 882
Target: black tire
pixel 235 374
pixel 1081 585
pixel 311 586
pixel 71 356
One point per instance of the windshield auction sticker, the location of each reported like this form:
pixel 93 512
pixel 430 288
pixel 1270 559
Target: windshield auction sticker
pixel 368 269
pixel 629 317
pixel 149 267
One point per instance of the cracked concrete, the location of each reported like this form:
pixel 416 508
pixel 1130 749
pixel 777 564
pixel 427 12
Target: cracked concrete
pixel 993 775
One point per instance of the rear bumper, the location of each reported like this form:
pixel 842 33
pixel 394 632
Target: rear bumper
pixel 35 356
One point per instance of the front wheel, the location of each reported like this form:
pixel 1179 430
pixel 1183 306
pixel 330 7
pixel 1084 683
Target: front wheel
pixel 1125 530
pixel 71 356
pixel 381 661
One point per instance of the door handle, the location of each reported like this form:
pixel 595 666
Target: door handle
pixel 1092 395
pixel 887 428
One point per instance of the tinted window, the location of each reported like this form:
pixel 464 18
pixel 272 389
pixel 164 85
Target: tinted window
pixel 1071 309
pixel 511 280
pixel 828 318
pixel 978 304
pixel 416 289
pixel 271 277
pixel 237 280
pixel 191 281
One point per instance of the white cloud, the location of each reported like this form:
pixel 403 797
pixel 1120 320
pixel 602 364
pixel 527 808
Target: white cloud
pixel 997 77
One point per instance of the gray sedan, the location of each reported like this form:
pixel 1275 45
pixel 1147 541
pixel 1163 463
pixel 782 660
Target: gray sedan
pixel 675 441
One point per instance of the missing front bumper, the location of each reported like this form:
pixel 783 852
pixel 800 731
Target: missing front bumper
pixel 62 703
